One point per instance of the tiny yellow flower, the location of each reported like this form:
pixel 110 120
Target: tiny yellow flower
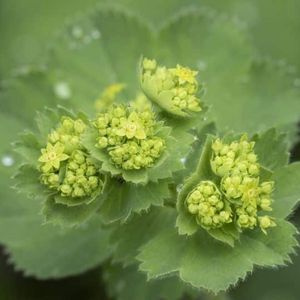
pixel 132 127
pixel 52 156
pixel 185 74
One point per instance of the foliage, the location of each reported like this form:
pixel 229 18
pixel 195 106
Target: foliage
pixel 137 218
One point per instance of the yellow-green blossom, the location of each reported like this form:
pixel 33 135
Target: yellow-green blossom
pixel 128 134
pixel 132 127
pixel 65 165
pixel 237 157
pixel 185 75
pixel 239 190
pixel 51 156
pixel 108 96
pixel 237 165
pixel 173 89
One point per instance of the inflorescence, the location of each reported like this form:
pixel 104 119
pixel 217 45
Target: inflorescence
pixel 65 165
pixel 129 134
pixel 174 89
pixel 241 194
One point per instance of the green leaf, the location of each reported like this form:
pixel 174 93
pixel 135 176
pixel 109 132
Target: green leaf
pixel 69 216
pixel 22 96
pixel 271 149
pixel 137 231
pixel 228 235
pixel 27 182
pixel 29 147
pixel 193 157
pixel 121 199
pixel 287 190
pixel 48 118
pixel 198 260
pixel 130 284
pixel 42 250
pixel 48 252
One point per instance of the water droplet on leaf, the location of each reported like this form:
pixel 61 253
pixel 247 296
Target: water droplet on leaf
pixel 62 90
pixel 95 34
pixel 77 32
pixel 183 160
pixel 201 65
pixel 297 82
pixel 7 161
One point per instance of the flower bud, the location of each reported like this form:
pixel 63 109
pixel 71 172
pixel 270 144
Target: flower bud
pixel 267 187
pixel 206 203
pixel 266 222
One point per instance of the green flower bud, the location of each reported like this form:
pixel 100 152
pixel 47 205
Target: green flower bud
pixel 265 204
pixel 149 64
pixel 266 222
pixel 91 170
pixel 267 187
pixel 79 126
pixel 78 192
pixel 73 165
pixel 79 157
pixel 205 201
pixel 93 182
pixel 67 124
pixel 66 189
pixel 193 208
pixel 53 180
pixel 53 137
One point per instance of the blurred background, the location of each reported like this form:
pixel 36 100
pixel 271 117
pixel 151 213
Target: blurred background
pixel 28 26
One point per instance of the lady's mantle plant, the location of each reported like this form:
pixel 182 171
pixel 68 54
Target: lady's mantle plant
pixel 191 197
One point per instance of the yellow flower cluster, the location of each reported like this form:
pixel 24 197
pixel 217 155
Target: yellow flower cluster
pixel 236 163
pixel 173 89
pixel 65 165
pixel 240 197
pixel 130 136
